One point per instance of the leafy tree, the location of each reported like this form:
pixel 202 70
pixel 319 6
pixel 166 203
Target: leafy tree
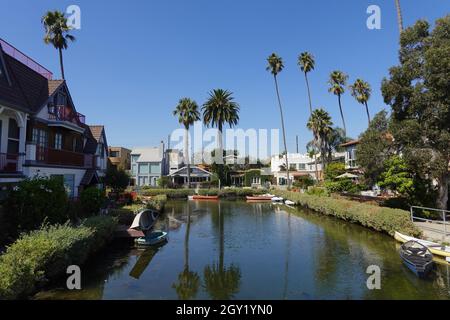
pixel 164 182
pixel 338 81
pixel 187 113
pixel 334 169
pixel 418 90
pixel 375 148
pixel 275 66
pixel 397 177
pixel 361 91
pixel 116 179
pixel 57 33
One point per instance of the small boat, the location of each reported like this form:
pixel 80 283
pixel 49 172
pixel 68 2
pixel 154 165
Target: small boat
pixel 289 202
pixel 198 197
pixel 144 220
pixel 435 248
pixel 259 198
pixel 417 258
pixel 277 199
pixel 153 238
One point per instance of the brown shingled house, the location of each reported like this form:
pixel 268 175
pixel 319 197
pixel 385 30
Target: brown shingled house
pixel 41 132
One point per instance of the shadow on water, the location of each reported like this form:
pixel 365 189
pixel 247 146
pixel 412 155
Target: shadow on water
pixel 238 250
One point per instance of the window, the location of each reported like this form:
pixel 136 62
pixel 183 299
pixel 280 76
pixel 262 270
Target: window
pixel 133 169
pixel 40 138
pixel 255 180
pixel 13 137
pixel 114 154
pixel 100 150
pixel 292 166
pixel 156 168
pixel 143 168
pixel 134 158
pixel 301 166
pixel 58 141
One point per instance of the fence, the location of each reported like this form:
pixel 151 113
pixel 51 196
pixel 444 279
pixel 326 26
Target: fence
pixel 433 219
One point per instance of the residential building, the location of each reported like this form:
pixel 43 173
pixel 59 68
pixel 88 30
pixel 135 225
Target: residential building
pixel 147 165
pixel 299 165
pixel 350 154
pixel 120 157
pixel 41 132
pixel 197 175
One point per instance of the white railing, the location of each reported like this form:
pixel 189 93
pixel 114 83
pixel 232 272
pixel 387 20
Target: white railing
pixel 442 213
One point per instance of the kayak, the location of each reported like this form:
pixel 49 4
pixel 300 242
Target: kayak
pixel 417 258
pixel 435 248
pixel 152 239
pixel 289 202
pixel 259 198
pixel 198 197
pixel 277 199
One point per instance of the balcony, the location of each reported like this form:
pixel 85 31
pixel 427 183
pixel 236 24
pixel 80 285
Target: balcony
pixel 10 163
pixel 57 157
pixel 64 113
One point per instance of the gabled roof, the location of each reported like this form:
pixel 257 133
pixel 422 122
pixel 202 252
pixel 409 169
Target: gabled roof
pixel 27 90
pixel 54 85
pixel 97 132
pixel 193 168
pixel 91 143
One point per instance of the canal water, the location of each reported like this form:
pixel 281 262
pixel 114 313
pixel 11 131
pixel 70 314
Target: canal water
pixel 239 250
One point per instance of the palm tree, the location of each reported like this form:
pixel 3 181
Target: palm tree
pixel 361 92
pixel 338 81
pixel 220 109
pixel 275 66
pixel 187 112
pixel 57 33
pixel 399 15
pixel 307 63
pixel 321 125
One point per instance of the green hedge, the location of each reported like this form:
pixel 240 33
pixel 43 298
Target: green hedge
pixel 381 219
pixel 44 255
pixel 157 202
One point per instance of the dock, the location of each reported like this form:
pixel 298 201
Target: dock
pixel 123 231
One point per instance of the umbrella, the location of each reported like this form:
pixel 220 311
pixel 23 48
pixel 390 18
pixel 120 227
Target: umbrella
pixel 347 175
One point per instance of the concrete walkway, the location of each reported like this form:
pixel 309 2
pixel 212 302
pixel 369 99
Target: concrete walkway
pixel 434 231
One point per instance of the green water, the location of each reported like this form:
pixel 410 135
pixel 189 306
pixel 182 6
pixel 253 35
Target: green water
pixel 238 250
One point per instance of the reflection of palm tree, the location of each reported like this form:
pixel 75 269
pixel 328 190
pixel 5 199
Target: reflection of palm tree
pixel 288 251
pixel 188 281
pixel 222 282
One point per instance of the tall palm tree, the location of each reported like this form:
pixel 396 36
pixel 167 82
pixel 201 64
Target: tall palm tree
pixel 321 125
pixel 307 63
pixel 187 112
pixel 275 66
pixel 57 33
pixel 361 91
pixel 399 15
pixel 220 109
pixel 338 81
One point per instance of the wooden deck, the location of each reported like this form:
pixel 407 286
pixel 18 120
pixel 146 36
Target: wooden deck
pixel 122 231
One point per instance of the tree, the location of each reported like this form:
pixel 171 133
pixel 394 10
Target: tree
pixel 375 147
pixel 57 33
pixel 220 109
pixel 187 113
pixel 361 91
pixel 335 138
pixel 275 66
pixel 307 63
pixel 116 179
pixel 320 124
pixel 397 177
pixel 418 91
pixel 334 170
pixel 338 81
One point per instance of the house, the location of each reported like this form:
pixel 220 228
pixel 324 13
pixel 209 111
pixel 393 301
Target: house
pixel 350 154
pixel 255 178
pixel 101 151
pixel 147 165
pixel 299 165
pixel 120 157
pixel 41 132
pixel 197 175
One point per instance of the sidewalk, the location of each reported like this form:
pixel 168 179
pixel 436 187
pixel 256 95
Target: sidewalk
pixel 434 231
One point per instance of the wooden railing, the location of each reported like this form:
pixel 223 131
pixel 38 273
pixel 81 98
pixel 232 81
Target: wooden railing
pixel 9 163
pixel 64 157
pixel 64 113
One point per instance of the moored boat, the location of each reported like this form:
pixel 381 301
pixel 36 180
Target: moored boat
pixel 152 238
pixel 259 198
pixel 277 199
pixel 417 258
pixel 435 248
pixel 199 197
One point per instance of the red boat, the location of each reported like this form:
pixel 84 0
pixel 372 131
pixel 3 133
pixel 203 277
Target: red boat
pixel 259 198
pixel 198 197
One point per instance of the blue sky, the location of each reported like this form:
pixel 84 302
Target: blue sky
pixel 133 60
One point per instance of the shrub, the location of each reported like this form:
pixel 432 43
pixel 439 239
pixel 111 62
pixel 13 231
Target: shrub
pixel 91 200
pixel 116 179
pixel 343 185
pixel 44 255
pixel 333 170
pixel 381 219
pixel 317 191
pixel 34 201
pixel 303 182
pixel 164 182
pixel 157 202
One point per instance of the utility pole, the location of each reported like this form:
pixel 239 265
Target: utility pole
pixel 296 140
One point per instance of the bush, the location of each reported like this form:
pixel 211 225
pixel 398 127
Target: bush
pixel 343 185
pixel 92 199
pixel 157 202
pixel 44 255
pixel 303 182
pixel 116 179
pixel 333 170
pixel 164 182
pixel 381 219
pixel 34 201
pixel 317 191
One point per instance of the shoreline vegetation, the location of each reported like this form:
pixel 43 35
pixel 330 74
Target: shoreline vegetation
pixel 382 219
